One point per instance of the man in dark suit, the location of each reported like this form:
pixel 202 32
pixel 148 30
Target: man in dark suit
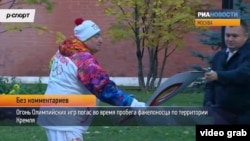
pixel 227 90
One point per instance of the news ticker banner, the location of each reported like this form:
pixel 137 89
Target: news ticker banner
pixel 222 132
pixel 17 15
pixel 104 116
pixel 47 100
pixel 217 18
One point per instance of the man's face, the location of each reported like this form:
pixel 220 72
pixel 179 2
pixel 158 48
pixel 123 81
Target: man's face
pixel 94 44
pixel 235 37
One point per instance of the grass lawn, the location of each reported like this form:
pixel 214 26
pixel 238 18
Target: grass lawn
pixel 121 133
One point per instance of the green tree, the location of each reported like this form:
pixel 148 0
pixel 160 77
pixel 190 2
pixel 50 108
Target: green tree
pixel 156 26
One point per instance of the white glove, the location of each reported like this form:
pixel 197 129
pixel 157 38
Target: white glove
pixel 136 103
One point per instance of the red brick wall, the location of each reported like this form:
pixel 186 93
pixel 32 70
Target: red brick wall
pixel 27 53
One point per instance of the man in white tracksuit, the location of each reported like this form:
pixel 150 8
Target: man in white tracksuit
pixel 75 71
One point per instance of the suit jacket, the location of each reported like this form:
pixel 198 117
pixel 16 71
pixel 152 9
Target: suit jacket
pixel 231 92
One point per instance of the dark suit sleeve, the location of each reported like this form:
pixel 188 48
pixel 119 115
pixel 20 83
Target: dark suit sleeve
pixel 240 75
pixel 209 94
pixel 209 86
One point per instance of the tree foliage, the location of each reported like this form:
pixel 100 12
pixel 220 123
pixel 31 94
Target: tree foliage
pixel 156 26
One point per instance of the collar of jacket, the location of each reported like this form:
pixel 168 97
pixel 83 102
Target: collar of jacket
pixel 244 48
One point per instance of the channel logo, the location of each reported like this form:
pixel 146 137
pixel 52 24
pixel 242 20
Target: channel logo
pixel 217 18
pixel 17 15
